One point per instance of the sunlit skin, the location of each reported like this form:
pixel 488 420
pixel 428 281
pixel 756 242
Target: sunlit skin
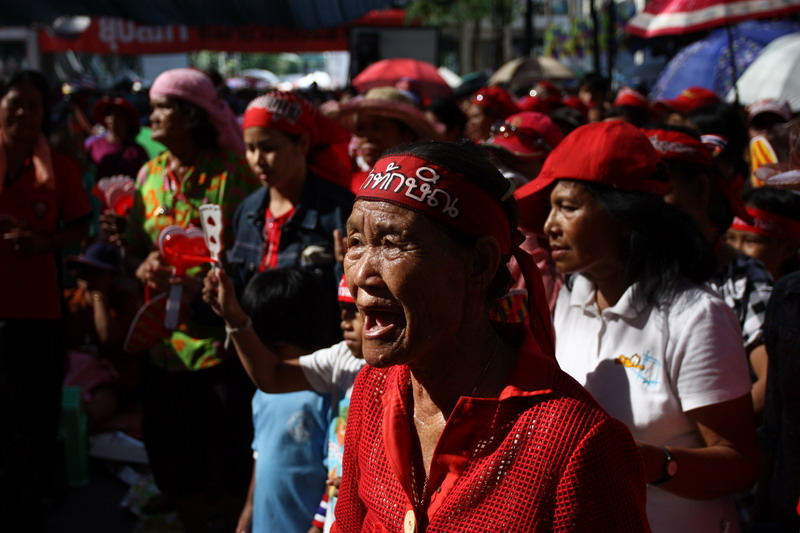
pixel 582 235
pixel 21 115
pixel 403 274
pixel 277 159
pixel 167 122
pixel 376 134
pixel 352 323
pixel 772 252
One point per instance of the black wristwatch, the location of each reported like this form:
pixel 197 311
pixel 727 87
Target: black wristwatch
pixel 670 468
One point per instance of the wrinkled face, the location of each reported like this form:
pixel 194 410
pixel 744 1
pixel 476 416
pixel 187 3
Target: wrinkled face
pixel 772 252
pixel 408 280
pixel 276 158
pixel 375 135
pixel 352 324
pixel 22 113
pixel 583 237
pixel 168 123
pixel 479 122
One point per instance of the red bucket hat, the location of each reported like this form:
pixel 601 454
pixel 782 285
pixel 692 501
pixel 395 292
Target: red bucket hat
pixel 689 100
pixel 612 153
pixel 677 146
pixel 528 134
pixel 497 99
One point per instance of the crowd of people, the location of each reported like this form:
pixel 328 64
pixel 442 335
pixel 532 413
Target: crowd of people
pixel 556 311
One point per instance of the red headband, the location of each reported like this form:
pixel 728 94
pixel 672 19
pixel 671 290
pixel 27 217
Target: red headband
pixel 769 225
pixel 430 189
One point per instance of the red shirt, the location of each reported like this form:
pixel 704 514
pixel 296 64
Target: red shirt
pixel 272 238
pixel 543 457
pixel 29 285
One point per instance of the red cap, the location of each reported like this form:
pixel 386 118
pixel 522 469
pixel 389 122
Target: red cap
pixel 612 153
pixel 690 99
pixel 677 146
pixel 344 292
pixel 497 99
pixel 527 134
pixel 628 97
pixel 575 103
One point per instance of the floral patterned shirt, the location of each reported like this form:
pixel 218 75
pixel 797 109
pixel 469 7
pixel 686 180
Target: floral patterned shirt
pixel 162 199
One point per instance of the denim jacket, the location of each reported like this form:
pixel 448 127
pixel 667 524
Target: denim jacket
pixel 306 239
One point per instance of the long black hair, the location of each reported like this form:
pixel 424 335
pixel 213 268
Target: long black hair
pixel 663 245
pixel 472 162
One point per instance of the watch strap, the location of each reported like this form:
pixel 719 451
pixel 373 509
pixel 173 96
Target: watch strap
pixel 667 473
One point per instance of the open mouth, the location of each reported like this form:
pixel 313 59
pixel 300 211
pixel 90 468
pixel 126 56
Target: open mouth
pixel 381 324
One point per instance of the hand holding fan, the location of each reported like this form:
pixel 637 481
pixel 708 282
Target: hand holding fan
pixel 183 248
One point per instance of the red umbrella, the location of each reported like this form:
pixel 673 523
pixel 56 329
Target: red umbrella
pixel 677 17
pixel 423 77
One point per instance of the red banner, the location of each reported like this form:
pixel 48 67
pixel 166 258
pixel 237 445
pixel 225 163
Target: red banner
pixel 106 35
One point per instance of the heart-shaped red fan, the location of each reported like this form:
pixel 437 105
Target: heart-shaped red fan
pixel 183 248
pixel 116 193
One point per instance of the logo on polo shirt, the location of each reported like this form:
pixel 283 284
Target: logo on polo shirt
pixel 644 367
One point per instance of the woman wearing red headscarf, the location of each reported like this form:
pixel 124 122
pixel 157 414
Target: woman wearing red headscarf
pixel 291 147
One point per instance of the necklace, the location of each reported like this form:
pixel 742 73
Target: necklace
pixel 486 366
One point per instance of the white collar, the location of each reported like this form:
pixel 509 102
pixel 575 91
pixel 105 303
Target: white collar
pixel 584 295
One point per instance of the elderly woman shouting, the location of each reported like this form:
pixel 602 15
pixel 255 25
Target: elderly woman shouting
pixel 459 423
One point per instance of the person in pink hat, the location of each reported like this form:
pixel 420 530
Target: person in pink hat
pixel 194 392
pixel 637 328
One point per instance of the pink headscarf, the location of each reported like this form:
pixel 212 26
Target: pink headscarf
pixel 196 88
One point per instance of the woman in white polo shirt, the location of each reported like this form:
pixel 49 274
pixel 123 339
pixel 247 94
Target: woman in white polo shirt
pixel 635 326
